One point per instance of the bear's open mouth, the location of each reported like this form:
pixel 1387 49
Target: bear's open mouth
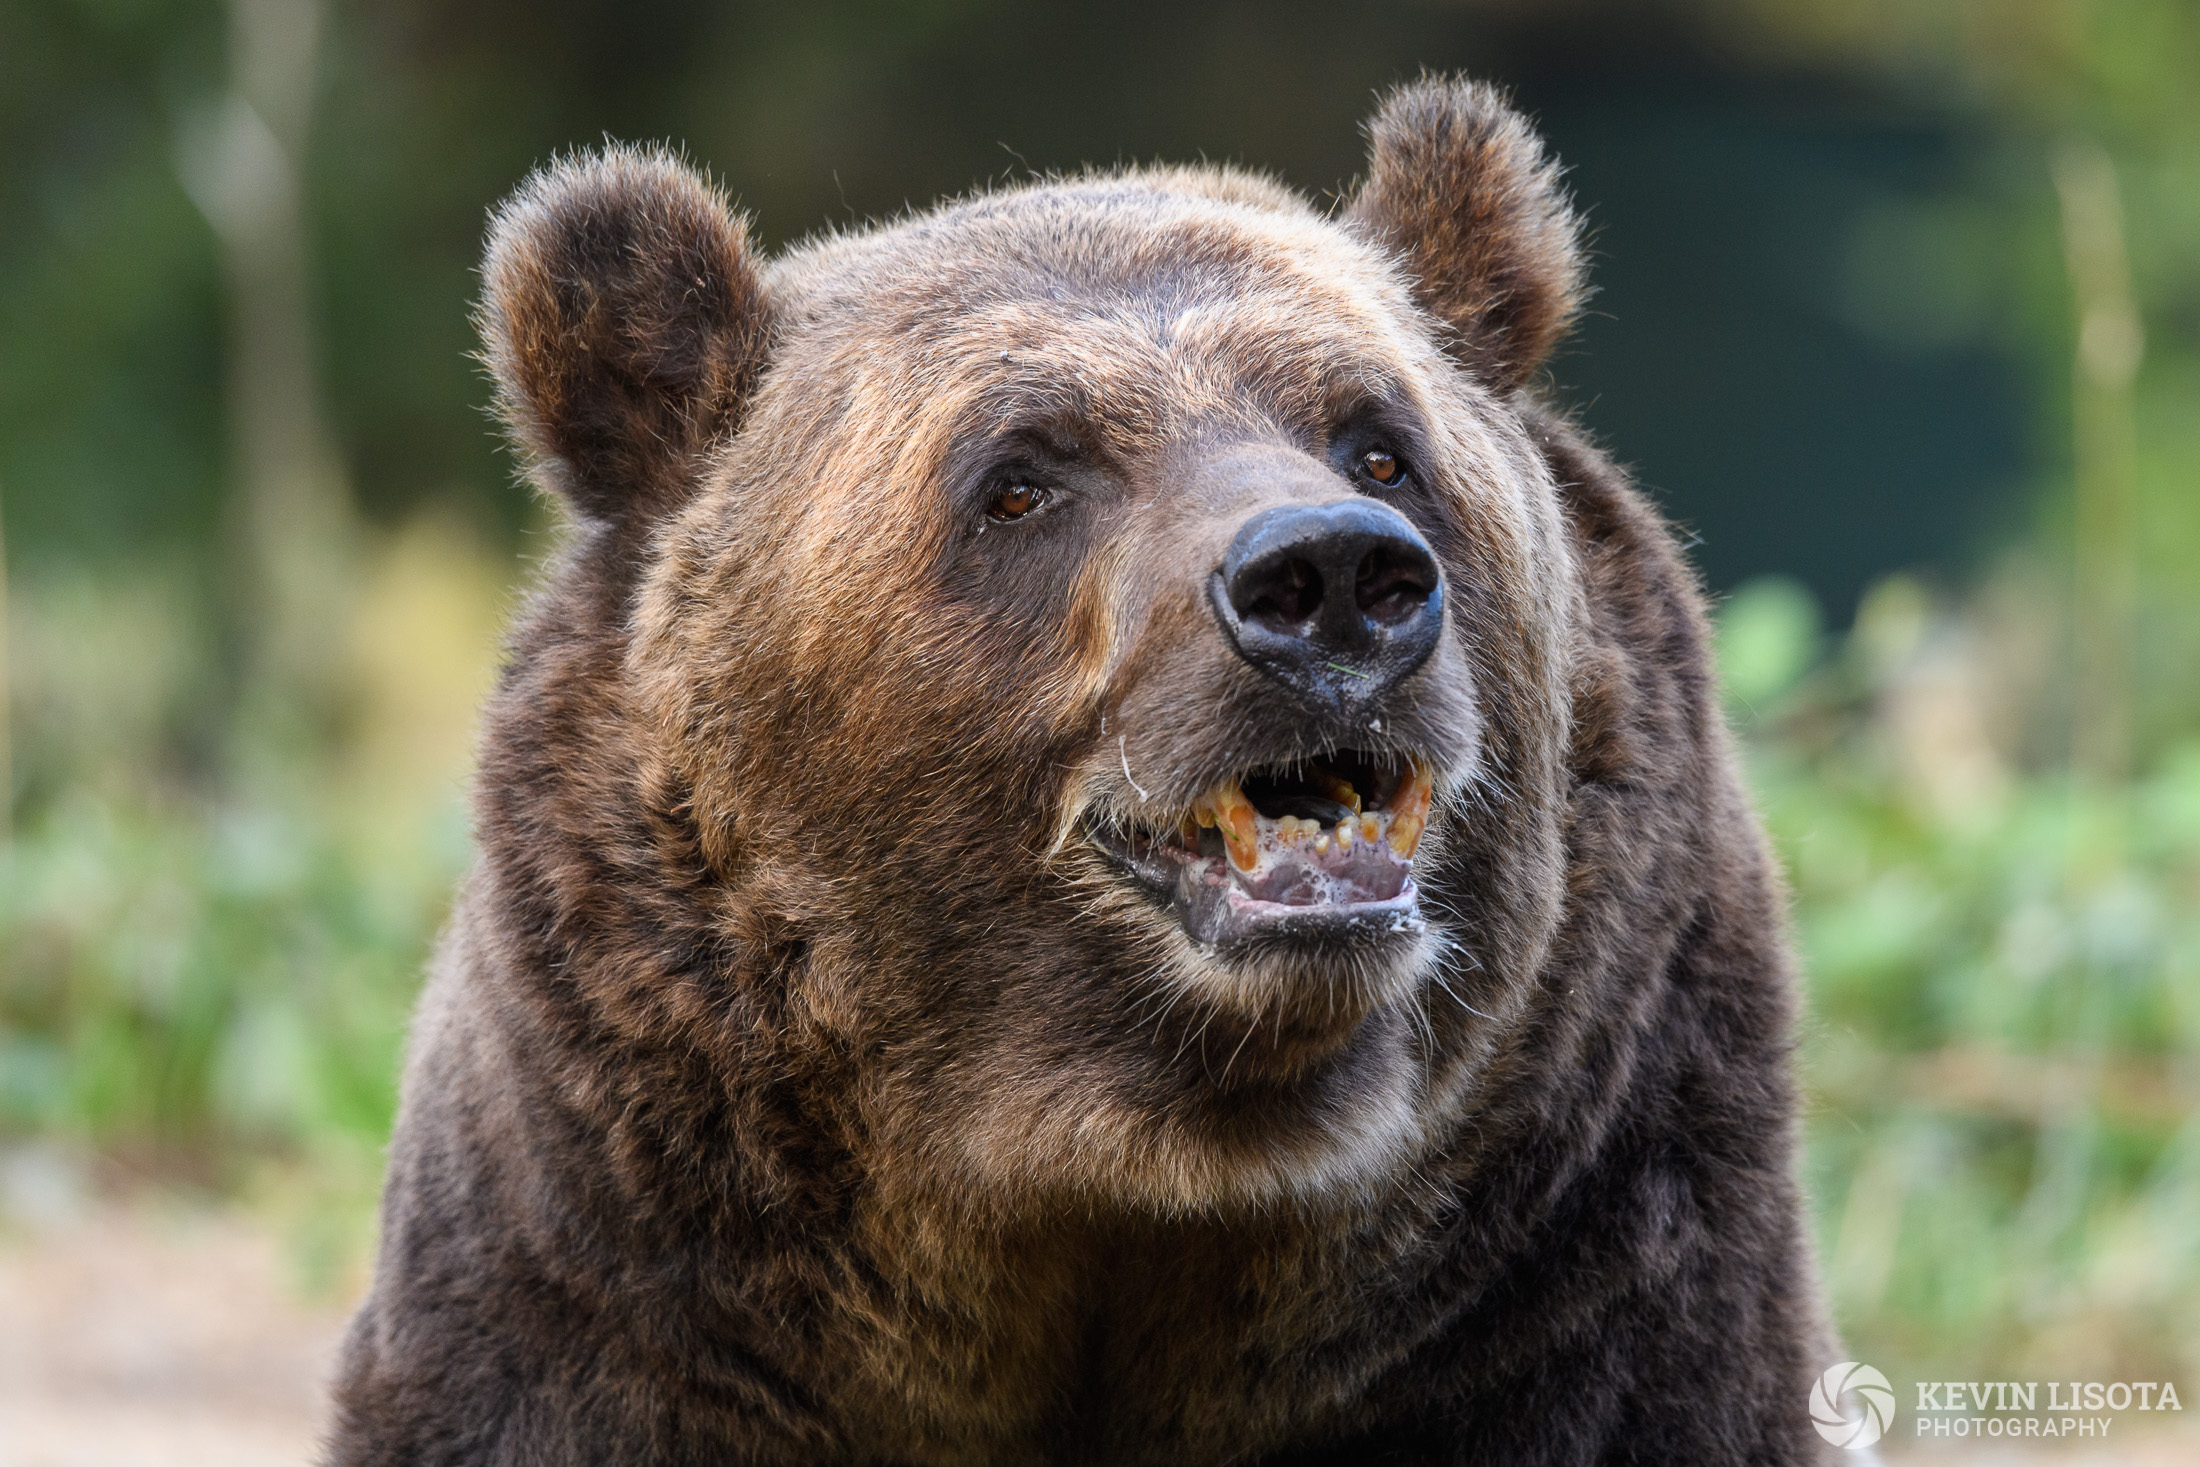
pixel 1310 847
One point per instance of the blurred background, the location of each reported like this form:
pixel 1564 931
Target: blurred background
pixel 1898 317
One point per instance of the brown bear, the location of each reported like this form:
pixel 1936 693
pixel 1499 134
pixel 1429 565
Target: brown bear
pixel 1107 844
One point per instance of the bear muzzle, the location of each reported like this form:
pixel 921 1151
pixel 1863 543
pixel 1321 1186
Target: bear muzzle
pixel 1289 829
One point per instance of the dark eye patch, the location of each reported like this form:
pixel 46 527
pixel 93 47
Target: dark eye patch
pixel 1376 445
pixel 1002 477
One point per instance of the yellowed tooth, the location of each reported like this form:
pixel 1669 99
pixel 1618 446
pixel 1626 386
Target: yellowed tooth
pixel 1409 809
pixel 1239 823
pixel 1415 790
pixel 1345 828
pixel 1405 835
pixel 1321 845
pixel 1371 829
pixel 1340 790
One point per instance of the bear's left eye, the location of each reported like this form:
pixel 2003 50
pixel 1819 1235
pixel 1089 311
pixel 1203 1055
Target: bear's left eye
pixel 1014 502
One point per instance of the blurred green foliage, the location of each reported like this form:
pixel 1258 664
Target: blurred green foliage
pixel 225 869
pixel 201 981
pixel 2003 1048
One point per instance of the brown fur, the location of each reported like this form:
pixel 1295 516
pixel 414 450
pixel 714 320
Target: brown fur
pixel 797 1084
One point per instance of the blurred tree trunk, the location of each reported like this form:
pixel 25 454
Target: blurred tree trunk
pixel 7 705
pixel 291 519
pixel 2109 345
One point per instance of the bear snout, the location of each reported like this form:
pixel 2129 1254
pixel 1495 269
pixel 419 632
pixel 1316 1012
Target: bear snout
pixel 1338 602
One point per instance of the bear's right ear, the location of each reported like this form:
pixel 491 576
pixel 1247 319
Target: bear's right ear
pixel 626 325
pixel 1460 187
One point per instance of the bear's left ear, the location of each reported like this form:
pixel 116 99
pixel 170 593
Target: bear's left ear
pixel 1460 186
pixel 626 324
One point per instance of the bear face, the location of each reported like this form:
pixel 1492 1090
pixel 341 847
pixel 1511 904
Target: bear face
pixel 950 629
pixel 1105 844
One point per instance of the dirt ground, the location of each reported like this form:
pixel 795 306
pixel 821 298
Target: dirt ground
pixel 157 1336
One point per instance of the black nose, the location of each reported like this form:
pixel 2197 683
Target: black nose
pixel 1338 601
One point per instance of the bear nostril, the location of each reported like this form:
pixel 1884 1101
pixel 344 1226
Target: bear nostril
pixel 1390 589
pixel 1286 598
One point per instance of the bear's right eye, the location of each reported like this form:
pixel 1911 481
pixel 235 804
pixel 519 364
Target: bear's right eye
pixel 1382 466
pixel 1014 502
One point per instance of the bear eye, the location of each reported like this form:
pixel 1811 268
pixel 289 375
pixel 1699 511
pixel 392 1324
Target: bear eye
pixel 1014 502
pixel 1382 466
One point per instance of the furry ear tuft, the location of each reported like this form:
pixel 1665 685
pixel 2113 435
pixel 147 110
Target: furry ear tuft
pixel 1459 185
pixel 626 325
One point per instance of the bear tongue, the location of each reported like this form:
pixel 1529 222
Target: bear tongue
pixel 1294 875
pixel 1217 901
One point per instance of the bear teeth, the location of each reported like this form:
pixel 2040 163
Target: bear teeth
pixel 1239 822
pixel 1399 824
pixel 1409 809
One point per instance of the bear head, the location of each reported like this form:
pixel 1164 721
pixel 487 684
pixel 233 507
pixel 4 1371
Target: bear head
pixel 1093 658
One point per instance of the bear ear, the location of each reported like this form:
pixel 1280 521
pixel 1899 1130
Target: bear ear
pixel 626 325
pixel 1460 186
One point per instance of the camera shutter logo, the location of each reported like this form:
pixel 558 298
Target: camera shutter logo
pixel 1860 1424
